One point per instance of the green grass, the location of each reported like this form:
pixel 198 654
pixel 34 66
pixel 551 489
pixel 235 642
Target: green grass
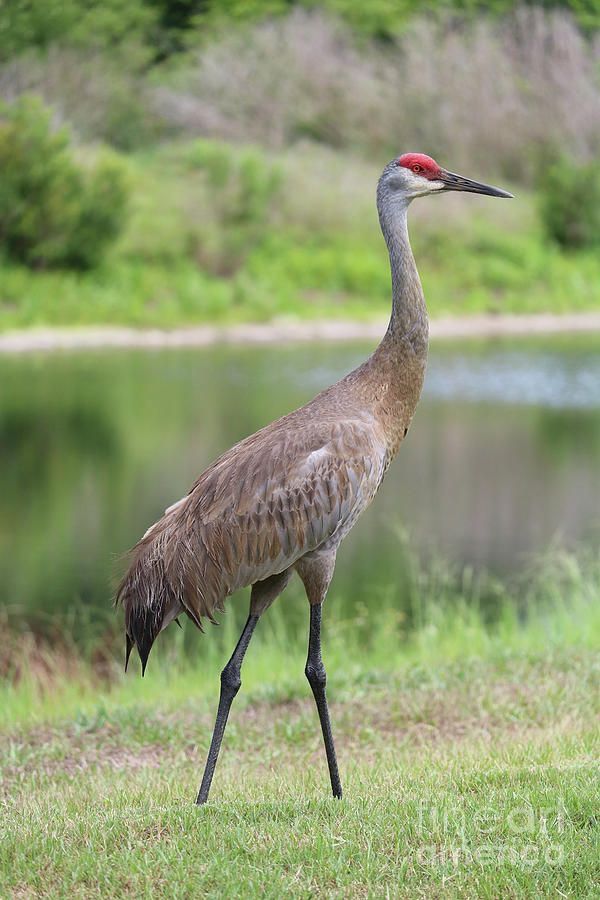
pixel 452 616
pixel 465 779
pixel 318 253
pixel 468 752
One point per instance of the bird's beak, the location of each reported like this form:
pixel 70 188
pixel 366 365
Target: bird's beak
pixel 454 182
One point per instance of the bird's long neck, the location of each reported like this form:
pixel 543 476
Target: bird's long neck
pixel 393 376
pixel 388 384
pixel 408 321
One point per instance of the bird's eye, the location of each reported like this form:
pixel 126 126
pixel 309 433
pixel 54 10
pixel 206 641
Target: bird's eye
pixel 417 167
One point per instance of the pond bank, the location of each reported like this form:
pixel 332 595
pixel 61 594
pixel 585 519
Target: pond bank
pixel 280 331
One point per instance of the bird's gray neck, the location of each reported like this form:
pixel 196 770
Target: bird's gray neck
pixel 409 320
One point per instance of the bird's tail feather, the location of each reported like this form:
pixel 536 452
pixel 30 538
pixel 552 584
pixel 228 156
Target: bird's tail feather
pixel 171 571
pixel 147 595
pixel 128 649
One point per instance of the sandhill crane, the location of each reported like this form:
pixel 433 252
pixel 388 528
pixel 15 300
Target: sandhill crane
pixel 283 499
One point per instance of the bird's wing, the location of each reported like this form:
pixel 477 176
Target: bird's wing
pixel 261 506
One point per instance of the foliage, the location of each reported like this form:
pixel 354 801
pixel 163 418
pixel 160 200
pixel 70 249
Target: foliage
pixel 27 24
pixel 52 211
pixel 504 91
pixel 466 87
pixel 176 20
pixel 101 96
pixel 570 203
pixel 166 27
pixel 385 19
pixel 241 185
pixel 316 252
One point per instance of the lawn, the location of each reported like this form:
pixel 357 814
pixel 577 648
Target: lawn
pixel 468 753
pixel 469 779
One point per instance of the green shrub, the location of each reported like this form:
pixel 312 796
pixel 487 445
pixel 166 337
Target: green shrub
pixel 241 184
pixel 127 123
pixel 570 203
pixel 26 24
pixel 52 211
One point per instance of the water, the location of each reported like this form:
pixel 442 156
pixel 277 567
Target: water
pixel 503 458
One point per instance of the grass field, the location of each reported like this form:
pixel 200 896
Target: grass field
pixel 469 757
pixel 188 255
pixel 468 780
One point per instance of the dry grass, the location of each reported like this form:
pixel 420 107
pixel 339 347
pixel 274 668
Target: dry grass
pixel 510 92
pixel 97 96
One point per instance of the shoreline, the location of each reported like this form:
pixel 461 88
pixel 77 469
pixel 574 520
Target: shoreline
pixel 283 331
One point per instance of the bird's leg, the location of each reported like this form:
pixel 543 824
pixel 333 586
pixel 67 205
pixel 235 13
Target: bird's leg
pixel 262 595
pixel 316 572
pixel 230 685
pixel 317 678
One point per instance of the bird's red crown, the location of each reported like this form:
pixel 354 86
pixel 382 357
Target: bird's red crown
pixel 420 164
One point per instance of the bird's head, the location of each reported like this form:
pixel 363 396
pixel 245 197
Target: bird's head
pixel 415 175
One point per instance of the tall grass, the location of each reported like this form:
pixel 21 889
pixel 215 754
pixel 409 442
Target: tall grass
pixel 100 96
pixel 454 616
pixel 508 91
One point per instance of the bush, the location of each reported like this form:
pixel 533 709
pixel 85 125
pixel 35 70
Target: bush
pixel 240 185
pixel 98 96
pixel 84 23
pixel 52 211
pixel 570 203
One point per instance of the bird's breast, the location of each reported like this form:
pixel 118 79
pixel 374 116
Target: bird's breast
pixel 395 401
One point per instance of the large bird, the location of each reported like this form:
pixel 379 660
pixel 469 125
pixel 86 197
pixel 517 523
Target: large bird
pixel 283 499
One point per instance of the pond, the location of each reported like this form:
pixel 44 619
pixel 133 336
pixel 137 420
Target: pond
pixel 503 458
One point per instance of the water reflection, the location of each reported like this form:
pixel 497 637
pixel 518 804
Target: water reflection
pixel 504 455
pixel 557 378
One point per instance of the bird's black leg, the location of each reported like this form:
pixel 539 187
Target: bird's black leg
pixel 230 685
pixel 317 678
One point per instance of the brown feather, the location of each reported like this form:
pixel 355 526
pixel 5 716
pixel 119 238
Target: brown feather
pixel 248 516
pixel 294 487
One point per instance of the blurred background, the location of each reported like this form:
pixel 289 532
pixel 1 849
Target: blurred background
pixel 169 162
